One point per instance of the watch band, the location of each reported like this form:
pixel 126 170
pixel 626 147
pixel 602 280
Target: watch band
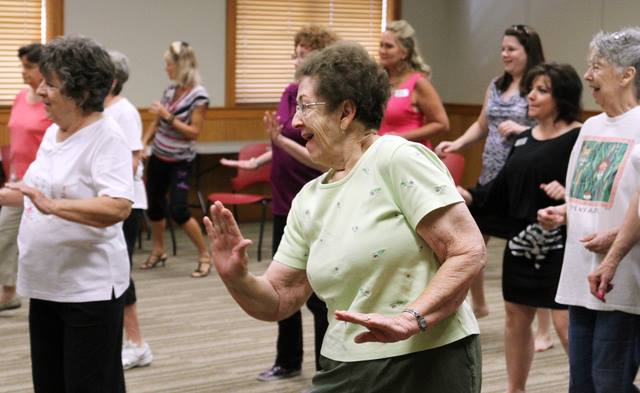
pixel 422 323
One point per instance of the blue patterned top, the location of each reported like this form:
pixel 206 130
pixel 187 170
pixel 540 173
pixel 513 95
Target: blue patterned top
pixel 496 148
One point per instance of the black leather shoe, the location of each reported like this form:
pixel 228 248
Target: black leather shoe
pixel 276 372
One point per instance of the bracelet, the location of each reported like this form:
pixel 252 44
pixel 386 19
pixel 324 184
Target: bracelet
pixel 171 119
pixel 422 323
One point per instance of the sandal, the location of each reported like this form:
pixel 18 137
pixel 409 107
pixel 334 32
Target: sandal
pixel 200 272
pixel 153 260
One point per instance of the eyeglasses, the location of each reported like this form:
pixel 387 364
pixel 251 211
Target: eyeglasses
pixel 303 108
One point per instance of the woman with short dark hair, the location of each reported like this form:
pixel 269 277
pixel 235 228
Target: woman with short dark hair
pixel 73 256
pixel 382 237
pixel 532 258
pixel 27 124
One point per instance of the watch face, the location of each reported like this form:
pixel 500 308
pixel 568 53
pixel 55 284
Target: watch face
pixel 423 324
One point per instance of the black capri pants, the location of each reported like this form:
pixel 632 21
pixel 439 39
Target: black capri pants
pixel 163 176
pixel 75 347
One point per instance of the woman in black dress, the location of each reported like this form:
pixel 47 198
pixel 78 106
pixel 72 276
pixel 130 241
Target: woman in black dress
pixel 533 173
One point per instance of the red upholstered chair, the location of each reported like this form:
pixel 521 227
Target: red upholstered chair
pixel 5 151
pixel 455 163
pixel 244 179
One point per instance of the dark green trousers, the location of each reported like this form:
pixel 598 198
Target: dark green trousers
pixel 453 368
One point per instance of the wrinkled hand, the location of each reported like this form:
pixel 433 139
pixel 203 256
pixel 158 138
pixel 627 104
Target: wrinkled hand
pixel 600 279
pixel 552 217
pixel 599 242
pixel 228 248
pixel 466 195
pixel 381 329
pixel 242 164
pixel 446 147
pixel 158 109
pixel 42 202
pixel 554 190
pixel 510 127
pixel 272 125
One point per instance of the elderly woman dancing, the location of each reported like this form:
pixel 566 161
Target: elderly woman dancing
pixel 604 337
pixel 73 256
pixel 382 237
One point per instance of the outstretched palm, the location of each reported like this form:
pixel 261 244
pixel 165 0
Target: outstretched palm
pixel 227 245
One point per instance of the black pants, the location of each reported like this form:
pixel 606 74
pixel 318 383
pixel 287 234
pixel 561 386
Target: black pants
pixel 75 347
pixel 163 176
pixel 290 329
pixel 131 229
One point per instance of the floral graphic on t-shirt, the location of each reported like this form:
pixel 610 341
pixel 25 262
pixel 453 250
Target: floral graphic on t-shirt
pixel 598 169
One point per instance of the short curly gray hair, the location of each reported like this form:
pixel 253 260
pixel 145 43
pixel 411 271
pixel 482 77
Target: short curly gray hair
pixel 84 68
pixel 620 49
pixel 346 72
pixel 121 70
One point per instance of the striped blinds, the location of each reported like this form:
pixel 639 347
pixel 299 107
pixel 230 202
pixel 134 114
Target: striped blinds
pixel 264 38
pixel 20 24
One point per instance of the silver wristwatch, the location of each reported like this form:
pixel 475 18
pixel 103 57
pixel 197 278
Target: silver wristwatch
pixel 422 323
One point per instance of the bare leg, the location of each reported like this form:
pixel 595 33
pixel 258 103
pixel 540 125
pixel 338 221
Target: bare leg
pixel 543 340
pixel 479 303
pixel 157 236
pixel 561 324
pixel 518 344
pixel 192 229
pixel 131 324
pixel 8 293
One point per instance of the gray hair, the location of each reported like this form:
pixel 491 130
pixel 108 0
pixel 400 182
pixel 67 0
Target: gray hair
pixel 621 49
pixel 84 68
pixel 121 68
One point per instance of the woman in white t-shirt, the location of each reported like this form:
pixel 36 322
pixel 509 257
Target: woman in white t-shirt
pixel 72 253
pixel 136 351
pixel 602 180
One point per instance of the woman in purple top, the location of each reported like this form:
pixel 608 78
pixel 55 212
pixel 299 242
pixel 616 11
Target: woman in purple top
pixel 291 168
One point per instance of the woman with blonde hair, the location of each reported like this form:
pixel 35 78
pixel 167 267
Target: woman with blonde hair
pixel 179 119
pixel 414 110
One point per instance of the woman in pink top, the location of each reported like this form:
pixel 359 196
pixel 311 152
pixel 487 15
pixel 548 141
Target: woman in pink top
pixel 27 124
pixel 414 110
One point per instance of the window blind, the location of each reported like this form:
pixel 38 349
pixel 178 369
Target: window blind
pixel 264 38
pixel 20 24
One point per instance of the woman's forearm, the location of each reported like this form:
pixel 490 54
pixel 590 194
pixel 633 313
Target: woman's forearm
pixel 11 198
pixel 427 131
pixel 99 212
pixel 298 152
pixel 274 296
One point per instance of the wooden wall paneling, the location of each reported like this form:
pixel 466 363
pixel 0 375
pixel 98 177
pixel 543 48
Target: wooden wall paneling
pixel 55 19
pixel 4 119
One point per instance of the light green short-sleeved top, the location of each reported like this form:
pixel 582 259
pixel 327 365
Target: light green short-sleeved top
pixel 356 239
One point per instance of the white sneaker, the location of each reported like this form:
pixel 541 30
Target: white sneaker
pixel 134 356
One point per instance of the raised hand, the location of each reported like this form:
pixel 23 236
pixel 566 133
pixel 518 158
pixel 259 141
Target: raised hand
pixel 228 248
pixel 381 329
pixel 554 190
pixel 272 125
pixel 158 109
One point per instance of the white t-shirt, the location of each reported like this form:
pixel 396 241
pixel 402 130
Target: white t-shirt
pixel 128 118
pixel 603 175
pixel 64 261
